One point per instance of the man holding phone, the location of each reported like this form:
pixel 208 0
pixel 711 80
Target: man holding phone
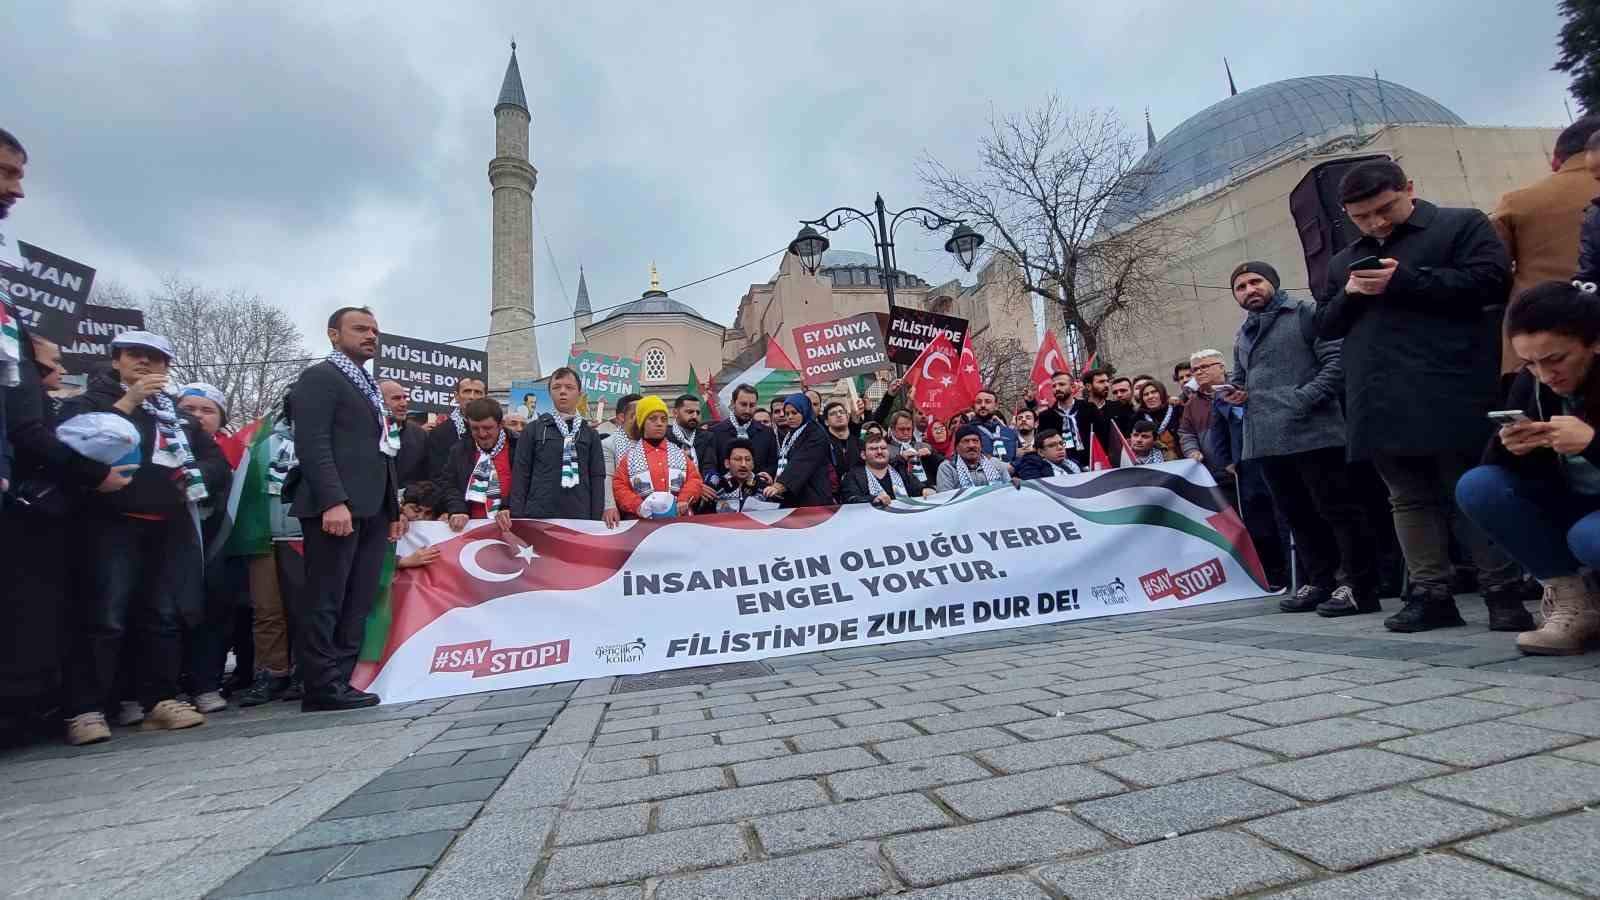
pixel 1416 300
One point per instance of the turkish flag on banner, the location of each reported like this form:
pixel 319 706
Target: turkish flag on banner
pixel 1046 364
pixel 939 385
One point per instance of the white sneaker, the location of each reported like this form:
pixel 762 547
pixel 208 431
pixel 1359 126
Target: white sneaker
pixel 129 712
pixel 210 702
pixel 88 728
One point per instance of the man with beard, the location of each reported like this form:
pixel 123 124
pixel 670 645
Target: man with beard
pixel 411 463
pixel 686 433
pixel 742 426
pixel 877 480
pixel 1122 389
pixel 1098 411
pixel 740 488
pixel 453 430
pixel 1025 423
pixel 348 504
pixel 560 469
pixel 1062 418
pixel 971 466
pixel 613 448
pixel 477 479
pixel 999 439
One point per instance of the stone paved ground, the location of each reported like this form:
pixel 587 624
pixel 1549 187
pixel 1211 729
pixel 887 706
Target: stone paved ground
pixel 1216 751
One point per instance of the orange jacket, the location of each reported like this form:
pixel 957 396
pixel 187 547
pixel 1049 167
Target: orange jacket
pixel 628 499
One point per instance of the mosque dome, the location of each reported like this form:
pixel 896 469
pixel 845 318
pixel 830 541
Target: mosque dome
pixel 655 300
pixel 1240 134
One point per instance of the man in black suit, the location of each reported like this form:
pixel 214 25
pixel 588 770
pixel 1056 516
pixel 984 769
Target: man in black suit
pixel 686 432
pixel 453 429
pixel 411 462
pixel 743 425
pixel 347 504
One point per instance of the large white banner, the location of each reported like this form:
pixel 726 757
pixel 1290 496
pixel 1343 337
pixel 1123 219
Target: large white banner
pixel 562 600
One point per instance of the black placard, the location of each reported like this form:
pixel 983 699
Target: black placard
pixel 910 330
pixel 51 292
pixel 95 331
pixel 429 371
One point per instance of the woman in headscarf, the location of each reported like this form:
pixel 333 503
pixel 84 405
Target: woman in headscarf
pixel 1154 405
pixel 943 448
pixel 802 458
pixel 654 478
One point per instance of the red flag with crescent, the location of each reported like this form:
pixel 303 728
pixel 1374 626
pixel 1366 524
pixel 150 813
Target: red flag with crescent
pixel 1046 364
pixel 936 382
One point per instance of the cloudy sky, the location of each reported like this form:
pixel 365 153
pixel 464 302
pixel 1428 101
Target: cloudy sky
pixel 324 153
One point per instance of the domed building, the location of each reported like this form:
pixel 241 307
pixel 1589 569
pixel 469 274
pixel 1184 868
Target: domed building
pixel 669 338
pixel 1223 177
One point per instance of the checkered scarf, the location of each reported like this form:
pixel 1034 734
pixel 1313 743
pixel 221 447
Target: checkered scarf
pixel 484 486
pixel 991 472
pixel 876 486
pixel 172 449
pixel 639 467
pixel 388 431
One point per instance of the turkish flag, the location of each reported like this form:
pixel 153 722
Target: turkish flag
pixel 937 380
pixel 1046 364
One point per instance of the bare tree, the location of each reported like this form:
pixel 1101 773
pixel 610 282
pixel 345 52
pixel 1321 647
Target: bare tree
pixel 1040 195
pixel 1005 369
pixel 247 347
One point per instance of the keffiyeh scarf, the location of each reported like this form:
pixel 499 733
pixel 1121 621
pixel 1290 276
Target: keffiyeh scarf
pixel 682 437
pixel 172 445
pixel 991 472
pixel 639 468
pixel 876 486
pixel 388 431
pixel 459 422
pixel 569 448
pixel 788 442
pixel 742 429
pixel 484 485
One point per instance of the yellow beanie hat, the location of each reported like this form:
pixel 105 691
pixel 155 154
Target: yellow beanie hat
pixel 645 407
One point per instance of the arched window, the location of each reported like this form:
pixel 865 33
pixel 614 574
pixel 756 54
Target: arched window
pixel 655 365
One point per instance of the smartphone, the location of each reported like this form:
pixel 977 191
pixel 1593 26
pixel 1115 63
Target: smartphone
pixel 1366 264
pixel 1504 417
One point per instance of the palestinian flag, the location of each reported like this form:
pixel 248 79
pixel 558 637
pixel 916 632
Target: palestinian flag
pixel 376 635
pixel 772 374
pixel 246 525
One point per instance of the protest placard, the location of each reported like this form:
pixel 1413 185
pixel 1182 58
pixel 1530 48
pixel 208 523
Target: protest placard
pixel 602 377
pixel 92 346
pixel 428 371
pixel 50 291
pixel 910 330
pixel 839 348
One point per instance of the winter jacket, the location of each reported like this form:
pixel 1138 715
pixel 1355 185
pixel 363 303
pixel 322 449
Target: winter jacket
pixel 1033 465
pixel 1224 438
pixel 536 491
pixel 853 487
pixel 411 462
pixel 1008 438
pixel 1295 381
pixel 1416 383
pixel 1538 225
pixel 30 429
pixel 1543 465
pixel 153 490
pixel 457 476
pixel 805 477
pixel 441 439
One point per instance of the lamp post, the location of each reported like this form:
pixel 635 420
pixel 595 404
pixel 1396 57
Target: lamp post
pixel 810 244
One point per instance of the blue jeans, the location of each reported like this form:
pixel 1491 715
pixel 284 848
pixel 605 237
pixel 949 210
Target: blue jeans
pixel 1552 530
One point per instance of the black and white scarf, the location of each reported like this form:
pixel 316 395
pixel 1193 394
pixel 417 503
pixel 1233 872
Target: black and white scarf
pixel 172 449
pixel 484 486
pixel 788 442
pixel 639 469
pixel 282 459
pixel 388 432
pixel 459 422
pixel 682 437
pixel 991 472
pixel 742 429
pixel 876 486
pixel 569 448
pixel 997 444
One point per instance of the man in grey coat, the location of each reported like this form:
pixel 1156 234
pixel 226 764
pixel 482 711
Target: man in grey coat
pixel 1294 426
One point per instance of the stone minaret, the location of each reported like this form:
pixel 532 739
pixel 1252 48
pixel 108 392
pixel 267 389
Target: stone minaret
pixel 515 355
pixel 582 314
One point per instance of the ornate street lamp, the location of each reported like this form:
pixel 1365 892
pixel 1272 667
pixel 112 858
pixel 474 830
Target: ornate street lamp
pixel 809 244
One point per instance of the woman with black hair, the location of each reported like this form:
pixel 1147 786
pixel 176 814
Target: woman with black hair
pixel 1152 404
pixel 1537 493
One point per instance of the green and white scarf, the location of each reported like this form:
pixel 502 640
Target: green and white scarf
pixel 569 448
pixel 484 486
pixel 172 445
pixel 281 447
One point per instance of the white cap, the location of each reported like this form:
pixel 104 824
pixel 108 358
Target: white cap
pixel 103 437
pixel 147 339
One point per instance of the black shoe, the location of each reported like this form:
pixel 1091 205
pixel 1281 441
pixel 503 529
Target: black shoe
pixel 1425 611
pixel 340 699
pixel 1349 601
pixel 1304 600
pixel 1506 612
pixel 296 689
pixel 267 688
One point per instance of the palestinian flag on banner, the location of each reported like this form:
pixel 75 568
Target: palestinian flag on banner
pixel 772 374
pixel 245 528
pixel 376 635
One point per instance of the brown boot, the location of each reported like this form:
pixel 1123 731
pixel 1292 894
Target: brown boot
pixel 1571 619
pixel 171 715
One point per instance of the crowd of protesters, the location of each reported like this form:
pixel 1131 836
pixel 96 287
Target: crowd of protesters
pixel 1357 422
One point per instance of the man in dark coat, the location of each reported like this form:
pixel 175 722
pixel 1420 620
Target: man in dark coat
pixel 1294 432
pixel 1416 300
pixel 476 481
pixel 411 462
pixel 685 431
pixel 894 479
pixel 1096 412
pixel 742 424
pixel 452 430
pixel 141 554
pixel 347 501
pixel 803 464
pixel 560 467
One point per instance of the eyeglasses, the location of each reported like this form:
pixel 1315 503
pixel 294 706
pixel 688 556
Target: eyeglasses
pixel 1207 366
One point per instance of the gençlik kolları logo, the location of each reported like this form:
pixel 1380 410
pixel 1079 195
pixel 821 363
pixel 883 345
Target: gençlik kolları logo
pixel 632 651
pixel 480 658
pixel 1112 593
pixel 1161 584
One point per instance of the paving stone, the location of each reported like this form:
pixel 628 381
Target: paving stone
pixel 977 718
pixel 1192 704
pixel 1074 723
pixel 652 787
pixel 488 740
pixel 1562 851
pixel 429 761
pixel 598 773
pixel 542 778
pixel 1002 698
pixel 1522 697
pixel 1285 672
pixel 468 731
pixel 1007 794
pixel 778 730
pixel 1212 865
pixel 493 858
pixel 1177 732
pixel 1580 718
pixel 1333 775
pixel 1349 833
pixel 987 847
pixel 709 726
pixel 1166 689
pixel 860 734
pixel 284 870
pixel 1589 753
pixel 841 822
pixel 897 713
pixel 1410 690
pixel 1441 712
pixel 1305 709
pixel 411 851
pixel 943 744
pixel 1156 767
pixel 739 803
pixel 371 828
pixel 455 792
pixel 907 776
pixel 927 694
pixel 1054 752
pixel 585 826
pixel 630 859
pixel 1084 702
pixel 1283 690
pixel 801 765
pixel 995 887
pixel 1529 787
pixel 650 748
pixel 619 738
pixel 830 708
pixel 619 720
pixel 1431 877
pixel 388 886
pixel 1480 744
pixel 1148 815
pixel 1320 736
pixel 719 755
pixel 828 875
pixel 394 781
